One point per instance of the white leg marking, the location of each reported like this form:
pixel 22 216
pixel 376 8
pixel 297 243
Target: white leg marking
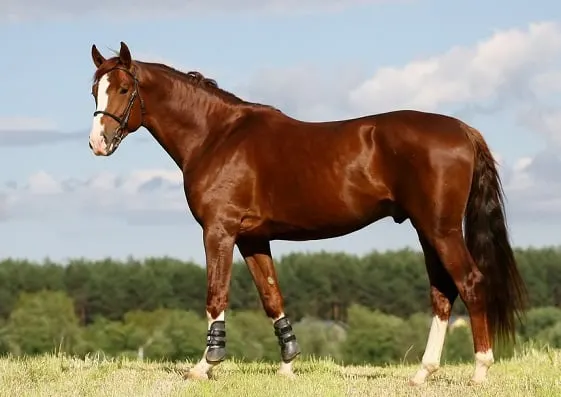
pixel 278 318
pixel 433 350
pixel 483 360
pixel 96 134
pixel 202 368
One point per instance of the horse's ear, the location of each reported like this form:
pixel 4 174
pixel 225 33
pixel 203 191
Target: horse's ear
pixel 98 59
pixel 125 55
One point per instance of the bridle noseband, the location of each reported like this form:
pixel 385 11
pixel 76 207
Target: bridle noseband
pixel 124 119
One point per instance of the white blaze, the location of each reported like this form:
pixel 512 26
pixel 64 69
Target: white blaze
pixel 96 134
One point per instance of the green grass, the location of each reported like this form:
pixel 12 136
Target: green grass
pixel 533 374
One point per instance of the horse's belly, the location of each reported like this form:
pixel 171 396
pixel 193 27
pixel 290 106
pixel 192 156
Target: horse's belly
pixel 303 234
pixel 318 215
pixel 318 226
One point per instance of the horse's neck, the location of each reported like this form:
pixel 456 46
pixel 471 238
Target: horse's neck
pixel 183 123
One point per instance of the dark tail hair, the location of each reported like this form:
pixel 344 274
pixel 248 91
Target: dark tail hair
pixel 488 242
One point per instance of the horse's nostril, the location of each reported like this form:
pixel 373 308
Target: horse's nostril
pixel 91 147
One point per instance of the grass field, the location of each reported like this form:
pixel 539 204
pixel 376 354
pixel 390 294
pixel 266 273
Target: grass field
pixel 534 374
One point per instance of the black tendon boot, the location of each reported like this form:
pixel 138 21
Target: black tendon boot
pixel 287 340
pixel 216 342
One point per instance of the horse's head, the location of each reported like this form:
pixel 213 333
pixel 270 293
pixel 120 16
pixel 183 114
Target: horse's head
pixel 119 107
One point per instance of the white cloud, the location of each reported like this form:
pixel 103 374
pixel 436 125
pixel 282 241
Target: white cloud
pixel 106 194
pixel 515 69
pixel 304 91
pixel 508 59
pixel 544 119
pixel 43 183
pixel 533 188
pixel 18 10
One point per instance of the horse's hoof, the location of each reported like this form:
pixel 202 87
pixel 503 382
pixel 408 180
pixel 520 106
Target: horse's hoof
pixel 475 382
pixel 288 374
pixel 422 375
pixel 192 374
pixel 414 382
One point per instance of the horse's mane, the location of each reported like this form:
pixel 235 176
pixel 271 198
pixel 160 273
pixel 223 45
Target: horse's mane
pixel 194 78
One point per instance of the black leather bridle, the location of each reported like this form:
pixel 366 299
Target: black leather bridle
pixel 124 119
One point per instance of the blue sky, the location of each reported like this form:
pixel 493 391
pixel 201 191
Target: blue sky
pixel 495 65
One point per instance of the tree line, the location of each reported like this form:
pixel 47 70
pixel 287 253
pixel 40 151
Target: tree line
pixel 373 308
pixel 320 285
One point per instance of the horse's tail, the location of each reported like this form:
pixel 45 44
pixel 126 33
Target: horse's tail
pixel 488 242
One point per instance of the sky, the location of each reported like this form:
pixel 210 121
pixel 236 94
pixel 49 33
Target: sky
pixel 495 65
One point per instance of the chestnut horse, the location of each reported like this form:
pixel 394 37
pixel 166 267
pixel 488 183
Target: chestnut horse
pixel 253 174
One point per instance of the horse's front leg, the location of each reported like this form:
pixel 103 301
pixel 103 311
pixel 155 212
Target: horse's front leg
pixel 219 248
pixel 257 255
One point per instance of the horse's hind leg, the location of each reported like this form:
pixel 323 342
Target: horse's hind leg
pixel 443 293
pixel 454 255
pixel 257 255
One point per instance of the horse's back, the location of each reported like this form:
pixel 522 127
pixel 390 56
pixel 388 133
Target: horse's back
pixel 378 148
pixel 366 153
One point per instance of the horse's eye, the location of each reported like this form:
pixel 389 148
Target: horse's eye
pixel 123 90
